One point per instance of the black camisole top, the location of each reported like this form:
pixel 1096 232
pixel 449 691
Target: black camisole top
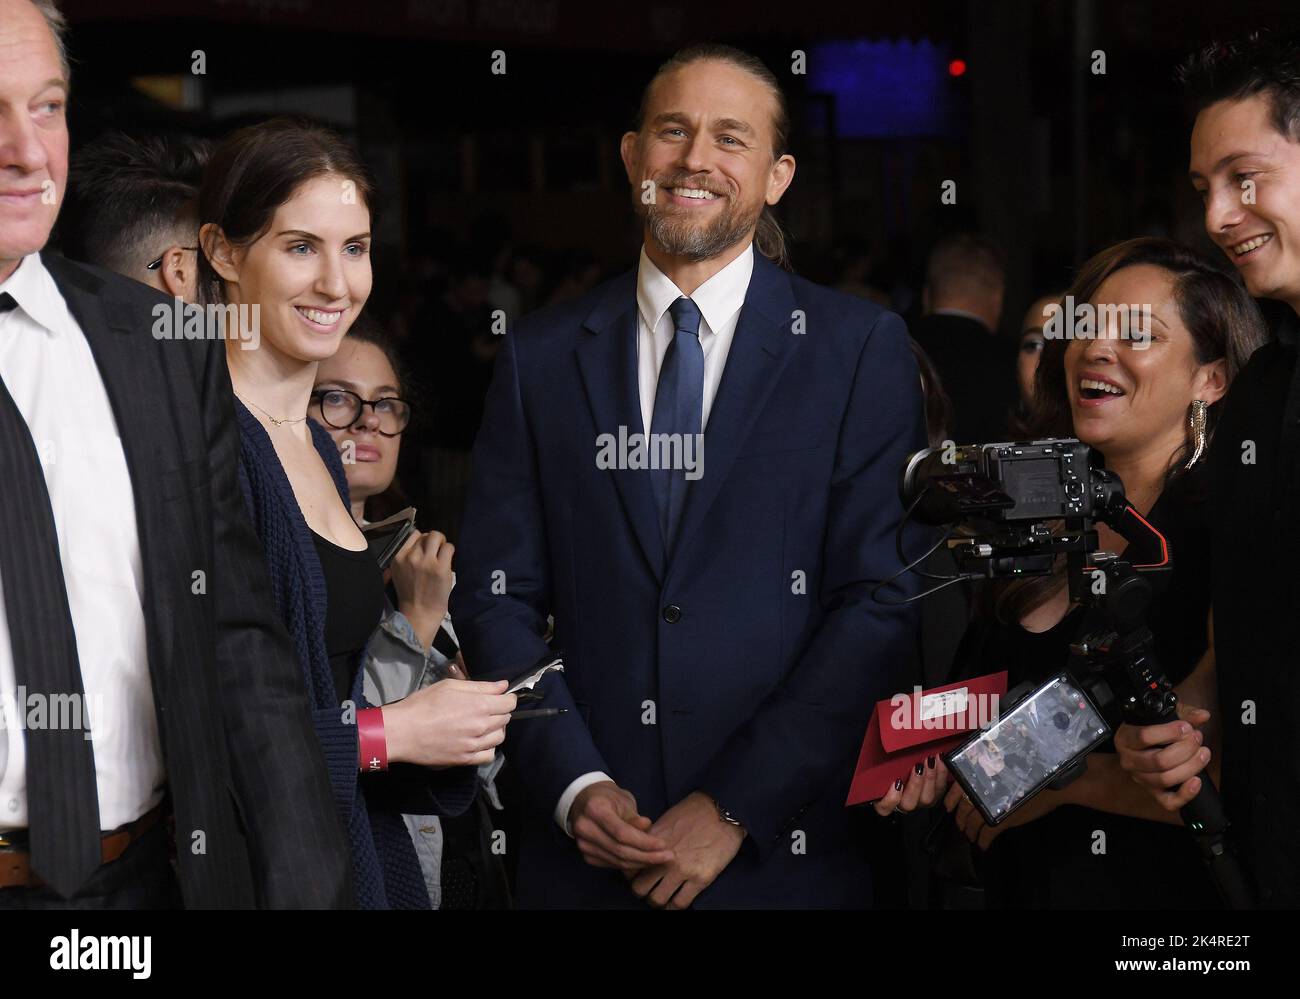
pixel 354 587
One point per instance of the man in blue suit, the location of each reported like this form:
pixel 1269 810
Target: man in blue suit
pixel 694 471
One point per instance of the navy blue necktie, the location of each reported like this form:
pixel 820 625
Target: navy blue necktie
pixel 679 408
pixel 62 801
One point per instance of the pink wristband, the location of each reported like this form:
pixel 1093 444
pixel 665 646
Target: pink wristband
pixel 370 736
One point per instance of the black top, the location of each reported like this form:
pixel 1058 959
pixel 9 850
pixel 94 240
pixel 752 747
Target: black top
pixel 978 371
pixel 354 588
pixel 1256 461
pixel 1049 862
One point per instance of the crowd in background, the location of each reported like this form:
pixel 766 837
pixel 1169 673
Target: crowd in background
pixel 395 407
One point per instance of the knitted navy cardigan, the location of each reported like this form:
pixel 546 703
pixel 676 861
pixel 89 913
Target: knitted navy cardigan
pixel 385 869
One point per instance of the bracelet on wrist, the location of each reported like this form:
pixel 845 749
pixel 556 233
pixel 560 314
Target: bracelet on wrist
pixel 372 744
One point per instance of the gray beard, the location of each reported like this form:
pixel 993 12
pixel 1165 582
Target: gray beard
pixel 679 238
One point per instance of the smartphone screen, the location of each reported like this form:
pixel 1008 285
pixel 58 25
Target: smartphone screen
pixel 1008 762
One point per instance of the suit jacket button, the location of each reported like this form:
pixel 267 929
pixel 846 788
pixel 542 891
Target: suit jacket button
pixel 672 613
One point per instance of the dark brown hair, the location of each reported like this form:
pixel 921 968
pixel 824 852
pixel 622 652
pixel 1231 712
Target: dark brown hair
pixel 1260 63
pixel 1018 420
pixel 1224 323
pixel 130 197
pixel 769 238
pixel 257 169
pixel 366 329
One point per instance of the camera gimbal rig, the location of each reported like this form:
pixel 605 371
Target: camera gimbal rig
pixel 1006 498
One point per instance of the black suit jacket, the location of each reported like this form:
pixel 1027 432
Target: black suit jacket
pixel 978 371
pixel 255 822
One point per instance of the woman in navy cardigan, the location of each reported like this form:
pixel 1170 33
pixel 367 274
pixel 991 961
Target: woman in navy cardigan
pixel 285 230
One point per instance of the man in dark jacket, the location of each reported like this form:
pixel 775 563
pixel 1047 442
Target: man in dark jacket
pixel 135 597
pixel 962 305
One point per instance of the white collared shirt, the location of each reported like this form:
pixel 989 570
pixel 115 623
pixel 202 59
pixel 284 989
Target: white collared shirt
pixel 719 300
pixel 48 368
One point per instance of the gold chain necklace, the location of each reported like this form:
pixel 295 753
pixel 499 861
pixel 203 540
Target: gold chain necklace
pixel 278 423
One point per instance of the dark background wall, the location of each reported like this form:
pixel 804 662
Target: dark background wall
pixel 1049 158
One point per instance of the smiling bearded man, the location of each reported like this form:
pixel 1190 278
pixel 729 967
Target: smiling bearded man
pixel 722 648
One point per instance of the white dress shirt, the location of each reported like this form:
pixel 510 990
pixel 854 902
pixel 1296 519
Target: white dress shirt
pixel 719 300
pixel 48 368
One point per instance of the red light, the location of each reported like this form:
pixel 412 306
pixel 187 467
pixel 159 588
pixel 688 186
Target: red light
pixel 957 67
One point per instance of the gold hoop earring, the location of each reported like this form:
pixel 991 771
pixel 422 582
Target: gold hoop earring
pixel 1196 430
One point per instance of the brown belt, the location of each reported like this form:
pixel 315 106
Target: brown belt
pixel 16 867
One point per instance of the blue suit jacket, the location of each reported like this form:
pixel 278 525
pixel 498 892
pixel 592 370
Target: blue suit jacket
pixel 759 690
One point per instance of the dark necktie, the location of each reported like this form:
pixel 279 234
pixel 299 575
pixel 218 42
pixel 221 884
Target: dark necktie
pixel 679 407
pixel 62 802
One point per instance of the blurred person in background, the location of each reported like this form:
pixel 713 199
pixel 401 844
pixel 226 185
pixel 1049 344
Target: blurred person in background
pixel 855 267
pixel 961 304
pixel 527 274
pixel 451 344
pixel 577 272
pixel 1027 355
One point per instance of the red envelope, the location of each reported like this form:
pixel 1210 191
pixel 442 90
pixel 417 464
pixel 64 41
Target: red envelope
pixel 907 728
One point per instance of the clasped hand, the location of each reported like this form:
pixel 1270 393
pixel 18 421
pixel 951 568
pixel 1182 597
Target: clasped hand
pixel 667 862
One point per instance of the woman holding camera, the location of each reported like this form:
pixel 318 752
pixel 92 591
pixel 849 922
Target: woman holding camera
pixel 1141 384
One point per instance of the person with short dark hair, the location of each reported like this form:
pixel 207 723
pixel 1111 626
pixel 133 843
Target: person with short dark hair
pixel 961 303
pixel 1245 163
pixel 133 209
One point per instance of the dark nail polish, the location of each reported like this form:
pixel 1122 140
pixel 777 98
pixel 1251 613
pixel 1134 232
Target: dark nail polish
pixel 920 769
pixel 929 762
pixel 898 784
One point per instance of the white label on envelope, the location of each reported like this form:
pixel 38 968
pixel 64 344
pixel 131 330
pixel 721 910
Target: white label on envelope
pixel 944 702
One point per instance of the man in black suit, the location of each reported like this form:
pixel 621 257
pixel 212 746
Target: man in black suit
pixel 962 305
pixel 144 674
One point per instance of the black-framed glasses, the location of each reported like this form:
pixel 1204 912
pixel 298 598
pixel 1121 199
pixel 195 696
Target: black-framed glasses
pixel 341 409
pixel 153 265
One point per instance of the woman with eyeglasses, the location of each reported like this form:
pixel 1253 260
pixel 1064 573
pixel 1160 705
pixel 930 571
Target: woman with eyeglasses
pixel 359 398
pixel 285 222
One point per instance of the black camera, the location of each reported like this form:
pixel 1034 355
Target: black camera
pixel 1012 510
pixel 1014 507
pixel 1038 480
